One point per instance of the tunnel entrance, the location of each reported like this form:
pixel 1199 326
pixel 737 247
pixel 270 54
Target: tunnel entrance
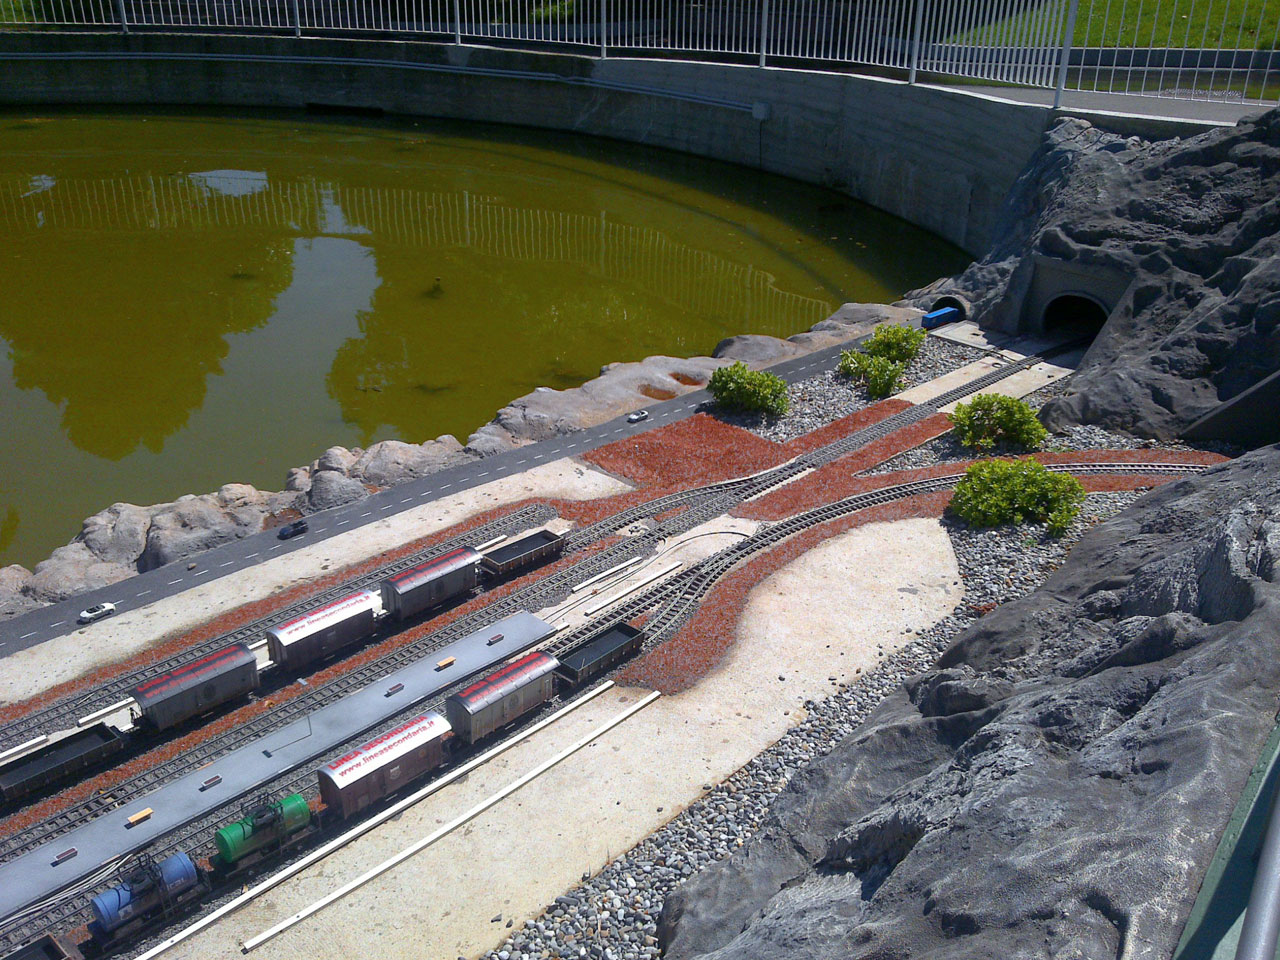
pixel 1076 316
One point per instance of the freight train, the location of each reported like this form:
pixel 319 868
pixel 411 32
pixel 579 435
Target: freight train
pixel 232 673
pixel 357 780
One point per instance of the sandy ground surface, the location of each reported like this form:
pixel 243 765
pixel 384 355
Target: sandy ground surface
pixel 29 672
pixel 827 614
pixel 1017 385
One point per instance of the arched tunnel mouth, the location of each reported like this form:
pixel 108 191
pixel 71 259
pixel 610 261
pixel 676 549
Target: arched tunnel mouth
pixel 1074 316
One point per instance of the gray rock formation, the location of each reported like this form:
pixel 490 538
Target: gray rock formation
pixel 1057 785
pixel 1192 227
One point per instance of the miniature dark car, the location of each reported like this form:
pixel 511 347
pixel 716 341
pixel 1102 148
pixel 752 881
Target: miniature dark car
pixel 292 529
pixel 638 416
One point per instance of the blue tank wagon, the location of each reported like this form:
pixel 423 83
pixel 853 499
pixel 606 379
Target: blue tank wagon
pixel 502 697
pixel 150 888
pixel 429 584
pixel 197 687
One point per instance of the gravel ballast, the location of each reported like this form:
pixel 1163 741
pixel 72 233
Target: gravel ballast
pixel 829 396
pixel 613 914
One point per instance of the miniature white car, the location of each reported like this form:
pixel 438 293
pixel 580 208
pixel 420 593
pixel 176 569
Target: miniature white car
pixel 638 416
pixel 97 612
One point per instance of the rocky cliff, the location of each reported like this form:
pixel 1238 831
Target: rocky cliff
pixel 1056 786
pixel 1192 226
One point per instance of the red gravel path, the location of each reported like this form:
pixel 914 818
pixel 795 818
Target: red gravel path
pixel 704 641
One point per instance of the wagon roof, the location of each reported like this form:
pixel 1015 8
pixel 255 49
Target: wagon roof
pixel 517 673
pixel 327 616
pixel 194 673
pixel 385 749
pixel 430 569
pixel 605 643
pixel 526 544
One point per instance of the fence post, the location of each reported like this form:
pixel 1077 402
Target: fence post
pixel 1067 38
pixel 457 21
pixel 297 19
pixel 604 19
pixel 915 40
pixel 764 29
pixel 124 22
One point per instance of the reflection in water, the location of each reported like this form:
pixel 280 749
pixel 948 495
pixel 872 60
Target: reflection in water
pixel 191 302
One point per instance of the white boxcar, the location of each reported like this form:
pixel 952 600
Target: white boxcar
pixel 318 633
pixel 383 765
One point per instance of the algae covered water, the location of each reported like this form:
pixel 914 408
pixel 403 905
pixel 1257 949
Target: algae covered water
pixel 195 300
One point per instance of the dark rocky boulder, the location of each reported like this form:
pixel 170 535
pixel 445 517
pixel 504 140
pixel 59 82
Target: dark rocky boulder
pixel 1057 785
pixel 1192 230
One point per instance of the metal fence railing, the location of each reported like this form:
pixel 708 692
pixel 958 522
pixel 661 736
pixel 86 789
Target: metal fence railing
pixel 1187 49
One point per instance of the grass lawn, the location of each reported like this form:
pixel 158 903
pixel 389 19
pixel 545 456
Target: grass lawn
pixel 1211 24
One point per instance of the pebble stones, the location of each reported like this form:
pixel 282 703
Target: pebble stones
pixel 613 915
pixel 828 396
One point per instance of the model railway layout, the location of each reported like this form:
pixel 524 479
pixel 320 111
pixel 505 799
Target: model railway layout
pixel 424 695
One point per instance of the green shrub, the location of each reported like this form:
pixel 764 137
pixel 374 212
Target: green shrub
pixel 880 375
pixel 1017 491
pixel 897 343
pixel 738 387
pixel 990 419
pixel 552 12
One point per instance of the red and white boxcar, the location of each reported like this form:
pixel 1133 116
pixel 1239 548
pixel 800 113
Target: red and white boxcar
pixel 317 634
pixel 384 764
pixel 502 697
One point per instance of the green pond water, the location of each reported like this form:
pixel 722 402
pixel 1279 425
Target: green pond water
pixel 190 301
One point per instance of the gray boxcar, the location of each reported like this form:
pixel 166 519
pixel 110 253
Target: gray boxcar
pixel 385 764
pixel 429 584
pixel 600 653
pixel 502 697
pixel 319 633
pixel 538 547
pixel 197 687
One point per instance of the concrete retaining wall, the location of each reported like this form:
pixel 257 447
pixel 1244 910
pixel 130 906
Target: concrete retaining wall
pixel 942 159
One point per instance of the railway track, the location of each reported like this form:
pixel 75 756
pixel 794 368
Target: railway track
pixel 63 714
pixel 676 599
pixel 703 504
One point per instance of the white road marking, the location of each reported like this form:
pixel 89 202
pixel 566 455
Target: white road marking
pixel 485 474
pixel 227 564
pixel 341 522
pixel 199 572
pixel 518 462
pixel 58 624
pixel 387 507
pixel 251 556
pixel 367 513
pixel 446 486
pixel 172 582
pixel 25 635
pixel 142 594
pixel 407 500
pixel 276 547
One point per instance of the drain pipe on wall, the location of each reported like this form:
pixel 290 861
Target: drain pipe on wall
pixel 761 112
pixel 1261 926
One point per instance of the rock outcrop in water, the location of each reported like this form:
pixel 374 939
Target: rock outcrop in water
pixel 1057 785
pixel 125 539
pixel 1194 224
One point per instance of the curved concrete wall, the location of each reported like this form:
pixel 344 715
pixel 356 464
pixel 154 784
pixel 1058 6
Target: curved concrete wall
pixel 942 159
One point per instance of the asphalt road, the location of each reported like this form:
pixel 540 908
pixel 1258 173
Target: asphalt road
pixel 59 619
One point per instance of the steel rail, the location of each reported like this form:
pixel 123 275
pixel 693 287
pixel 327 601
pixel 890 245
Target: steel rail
pixel 62 713
pixel 680 594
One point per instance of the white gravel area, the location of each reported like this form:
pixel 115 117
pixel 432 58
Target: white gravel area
pixel 828 396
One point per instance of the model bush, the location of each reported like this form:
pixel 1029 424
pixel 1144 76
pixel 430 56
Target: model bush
pixel 738 387
pixel 990 419
pixel 897 343
pixel 879 375
pixel 997 492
